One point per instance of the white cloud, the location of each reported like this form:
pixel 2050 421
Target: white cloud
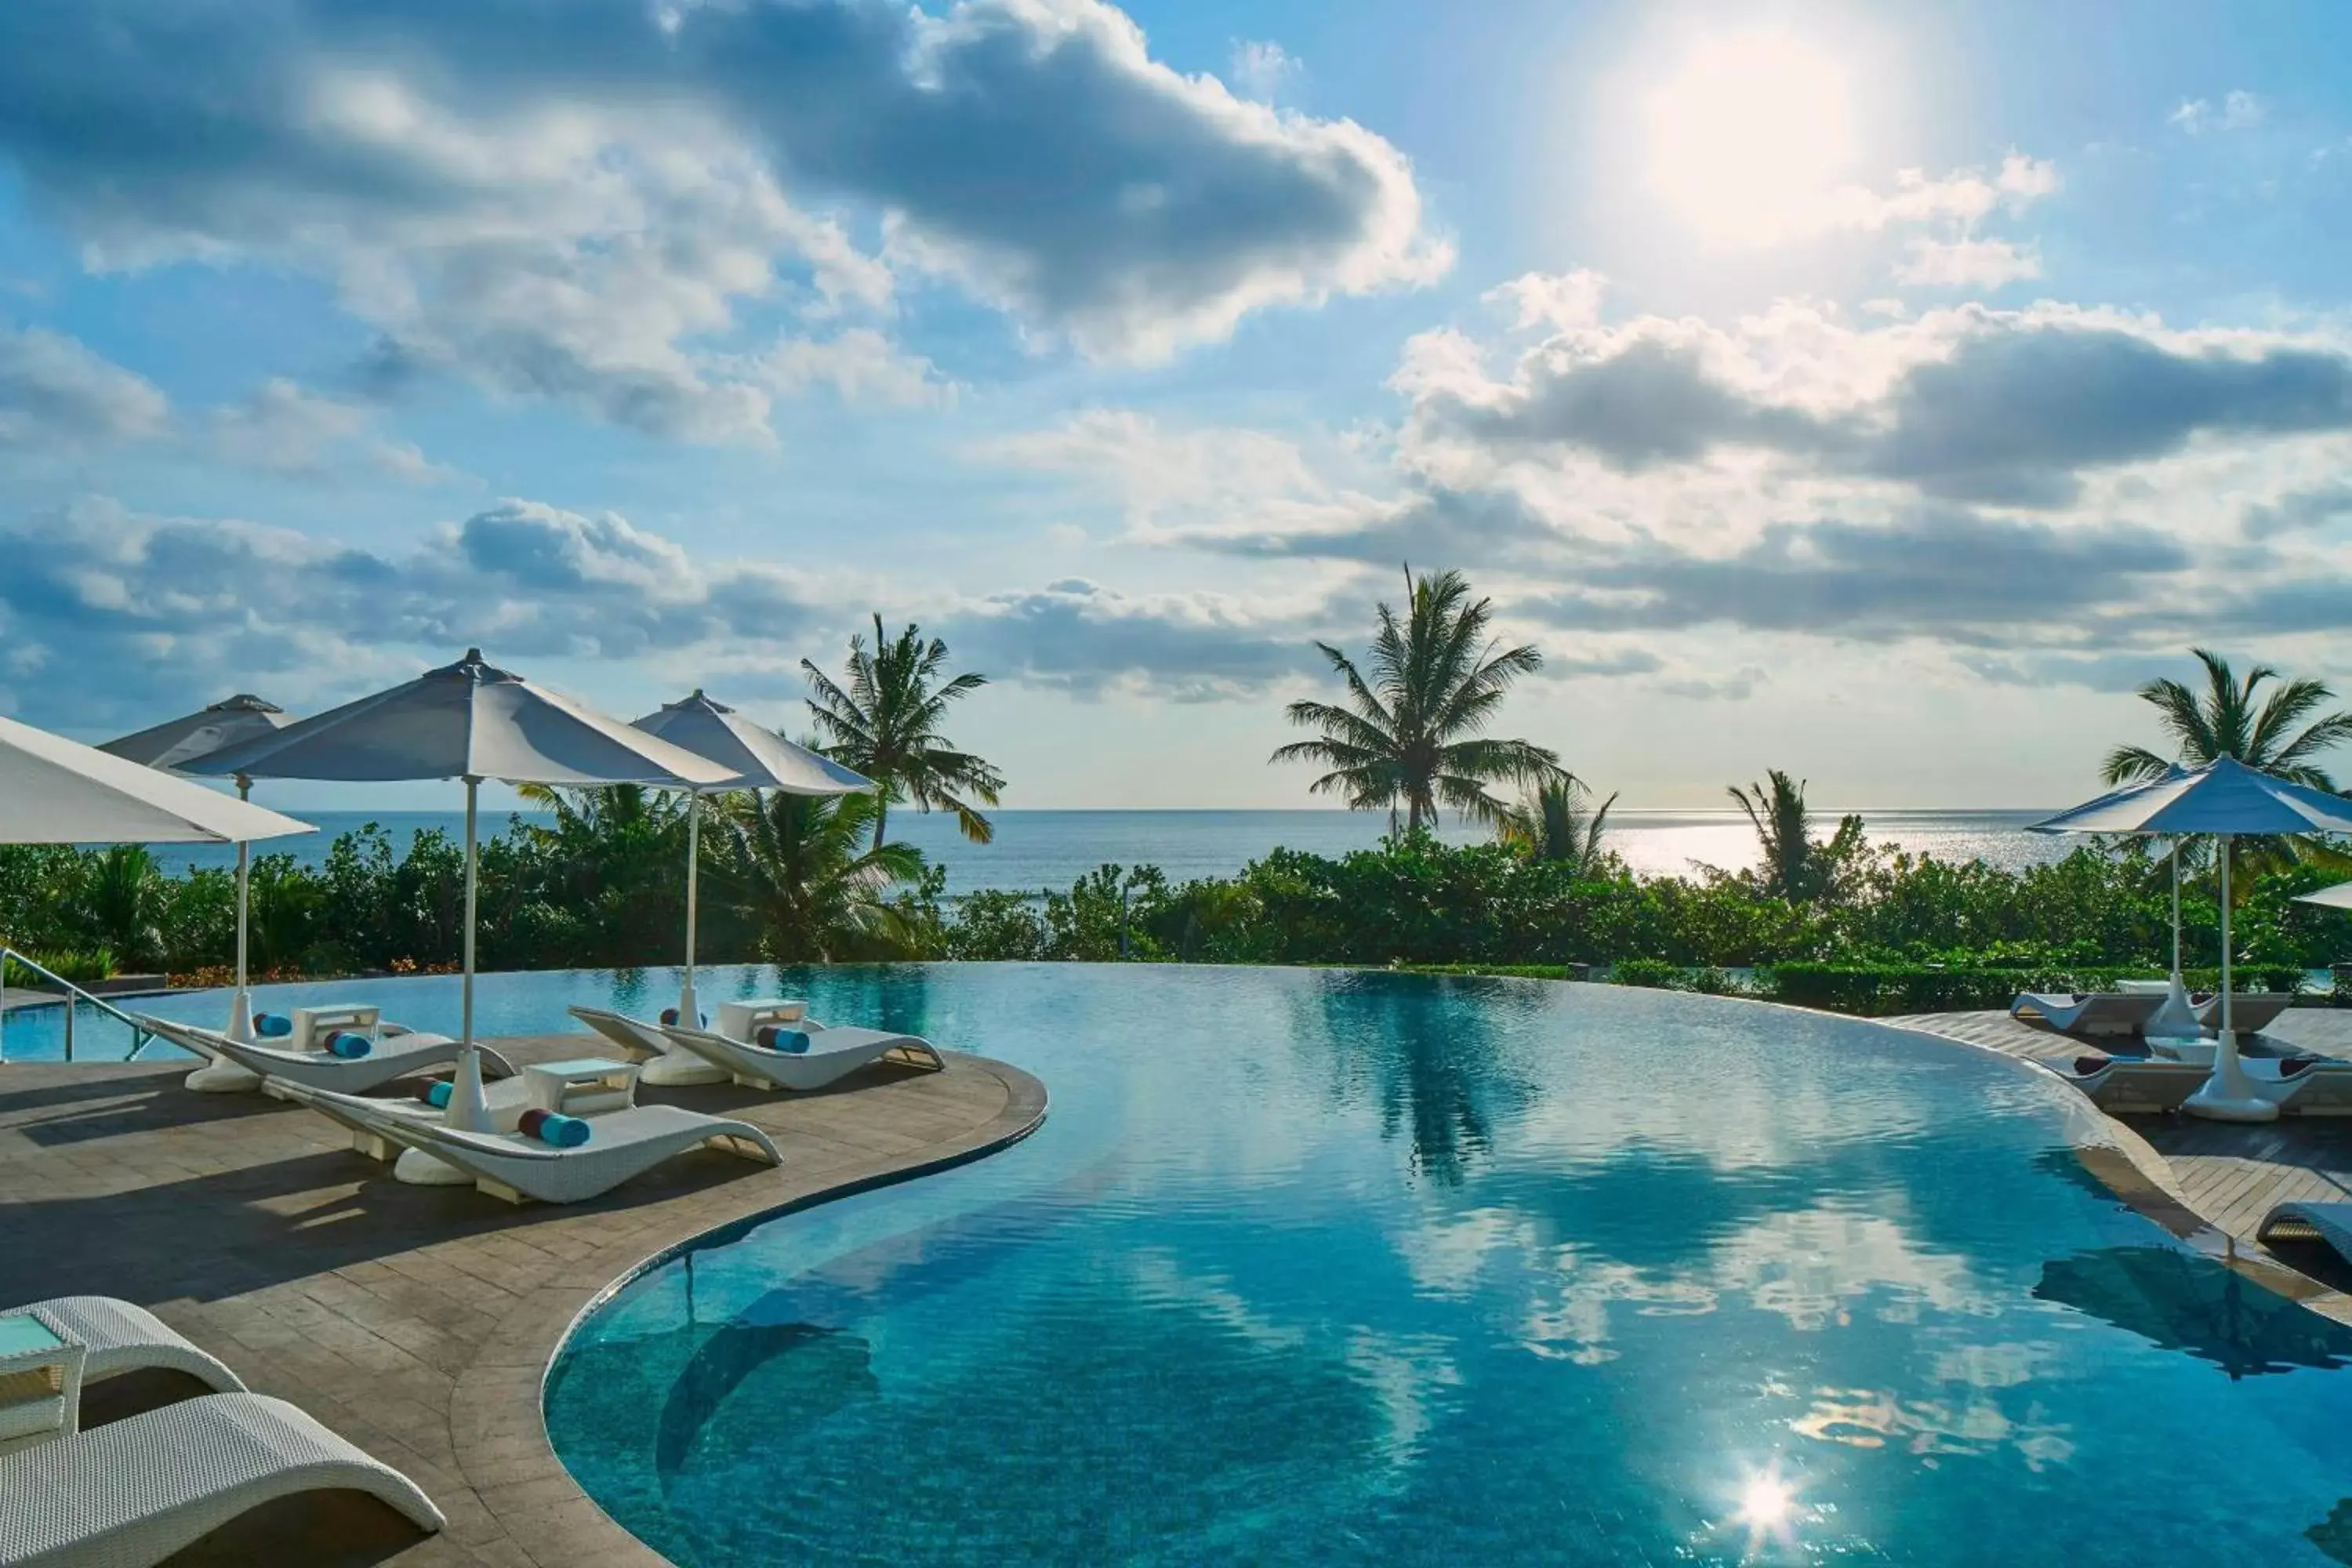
pixel 1551 298
pixel 2238 111
pixel 1967 264
pixel 288 429
pixel 1261 69
pixel 55 393
pixel 860 366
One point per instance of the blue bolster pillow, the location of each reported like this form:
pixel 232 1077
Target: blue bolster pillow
pixel 436 1093
pixel 791 1042
pixel 554 1127
pixel 272 1026
pixel 350 1047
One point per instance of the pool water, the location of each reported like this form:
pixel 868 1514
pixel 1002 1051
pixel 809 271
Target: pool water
pixel 1316 1268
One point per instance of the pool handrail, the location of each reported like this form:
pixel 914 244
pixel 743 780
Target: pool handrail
pixel 141 1036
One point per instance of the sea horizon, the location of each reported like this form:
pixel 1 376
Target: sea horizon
pixel 1040 849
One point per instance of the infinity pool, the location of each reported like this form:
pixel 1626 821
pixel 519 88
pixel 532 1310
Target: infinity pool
pixel 1311 1268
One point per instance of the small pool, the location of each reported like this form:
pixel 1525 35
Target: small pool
pixel 1315 1268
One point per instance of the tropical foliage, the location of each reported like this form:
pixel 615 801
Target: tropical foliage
pixel 800 874
pixel 885 718
pixel 1412 732
pixel 1794 867
pixel 1555 820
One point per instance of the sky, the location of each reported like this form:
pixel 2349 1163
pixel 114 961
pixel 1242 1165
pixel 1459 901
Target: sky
pixel 1878 392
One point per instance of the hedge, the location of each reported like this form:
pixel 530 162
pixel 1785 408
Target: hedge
pixel 1874 990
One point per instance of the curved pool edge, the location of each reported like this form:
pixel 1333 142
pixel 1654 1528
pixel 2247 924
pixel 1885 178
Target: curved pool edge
pixel 498 1414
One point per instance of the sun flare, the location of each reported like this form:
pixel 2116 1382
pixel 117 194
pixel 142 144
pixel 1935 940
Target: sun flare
pixel 1749 134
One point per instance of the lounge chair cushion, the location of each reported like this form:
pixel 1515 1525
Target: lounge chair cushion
pixel 272 1026
pixel 348 1045
pixel 2085 1066
pixel 553 1127
pixel 792 1042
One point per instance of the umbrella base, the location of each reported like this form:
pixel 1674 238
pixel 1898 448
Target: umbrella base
pixel 223 1078
pixel 2215 1107
pixel 419 1169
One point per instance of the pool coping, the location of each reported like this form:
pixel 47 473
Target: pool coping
pixel 497 1418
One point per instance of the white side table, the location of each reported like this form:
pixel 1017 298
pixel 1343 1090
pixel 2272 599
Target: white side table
pixel 738 1020
pixel 40 1382
pixel 585 1086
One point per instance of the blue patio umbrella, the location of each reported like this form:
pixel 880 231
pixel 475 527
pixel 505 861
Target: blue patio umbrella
pixel 2175 1023
pixel 2228 800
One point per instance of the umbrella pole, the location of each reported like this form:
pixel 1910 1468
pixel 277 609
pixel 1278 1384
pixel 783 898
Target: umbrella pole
pixel 240 1006
pixel 468 1107
pixel 688 1015
pixel 2175 1023
pixel 2229 1095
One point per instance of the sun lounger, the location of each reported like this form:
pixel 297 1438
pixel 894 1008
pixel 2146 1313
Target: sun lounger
pixel 642 1041
pixel 511 1165
pixel 2133 1086
pixel 2302 1086
pixel 118 1337
pixel 2100 1014
pixel 833 1053
pixel 396 1054
pixel 2251 1011
pixel 132 1492
pixel 2310 1220
pixel 506 1098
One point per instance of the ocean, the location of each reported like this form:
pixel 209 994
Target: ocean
pixel 1050 849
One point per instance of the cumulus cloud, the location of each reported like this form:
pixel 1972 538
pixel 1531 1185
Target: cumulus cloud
pixel 860 366
pixel 1260 69
pixel 1967 264
pixel 285 428
pixel 141 607
pixel 2238 111
pixel 1964 197
pixel 573 202
pixel 55 392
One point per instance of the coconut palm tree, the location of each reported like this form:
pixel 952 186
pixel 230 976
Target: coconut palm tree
pixel 1795 866
pixel 2226 721
pixel 798 871
pixel 886 724
pixel 1556 821
pixel 614 855
pixel 1411 731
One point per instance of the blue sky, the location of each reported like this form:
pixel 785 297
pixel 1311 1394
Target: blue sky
pixel 1876 392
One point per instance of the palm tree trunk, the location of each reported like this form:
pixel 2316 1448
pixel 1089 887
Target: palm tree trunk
pixel 881 819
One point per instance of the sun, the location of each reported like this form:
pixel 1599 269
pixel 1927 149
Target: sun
pixel 1747 136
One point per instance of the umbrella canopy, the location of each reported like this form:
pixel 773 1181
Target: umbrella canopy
pixel 2176 1022
pixel 760 758
pixel 2224 796
pixel 2339 896
pixel 190 735
pixel 468 720
pixel 56 791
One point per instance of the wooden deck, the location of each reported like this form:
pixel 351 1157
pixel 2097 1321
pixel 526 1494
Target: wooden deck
pixel 416 1322
pixel 2230 1175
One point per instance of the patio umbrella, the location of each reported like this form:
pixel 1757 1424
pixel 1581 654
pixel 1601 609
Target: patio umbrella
pixel 759 759
pixel 192 735
pixel 56 791
pixel 2228 800
pixel 2176 1022
pixel 468 721
pixel 2339 896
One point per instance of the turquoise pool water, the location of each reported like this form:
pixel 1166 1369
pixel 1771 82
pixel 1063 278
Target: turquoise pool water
pixel 1308 1268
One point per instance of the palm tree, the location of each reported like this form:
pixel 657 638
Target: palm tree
pixel 1412 731
pixel 615 853
pixel 1556 821
pixel 886 724
pixel 1795 866
pixel 797 869
pixel 2224 721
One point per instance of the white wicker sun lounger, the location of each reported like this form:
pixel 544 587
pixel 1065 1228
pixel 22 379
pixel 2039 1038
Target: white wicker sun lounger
pixel 2310 1220
pixel 2104 1013
pixel 2251 1012
pixel 394 1055
pixel 2134 1085
pixel 119 1337
pixel 511 1165
pixel 642 1040
pixel 833 1053
pixel 508 1099
pixel 132 1492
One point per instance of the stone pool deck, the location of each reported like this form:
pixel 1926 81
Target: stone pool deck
pixel 2228 1175
pixel 416 1322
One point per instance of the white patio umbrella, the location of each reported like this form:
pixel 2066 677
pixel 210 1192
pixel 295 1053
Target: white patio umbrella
pixel 56 791
pixel 759 759
pixel 2339 896
pixel 468 720
pixel 2176 1022
pixel 2228 800
pixel 184 739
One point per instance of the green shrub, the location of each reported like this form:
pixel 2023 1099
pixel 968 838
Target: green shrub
pixel 81 967
pixel 1874 990
pixel 1654 973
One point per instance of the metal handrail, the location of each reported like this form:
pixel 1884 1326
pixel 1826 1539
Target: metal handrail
pixel 141 1036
